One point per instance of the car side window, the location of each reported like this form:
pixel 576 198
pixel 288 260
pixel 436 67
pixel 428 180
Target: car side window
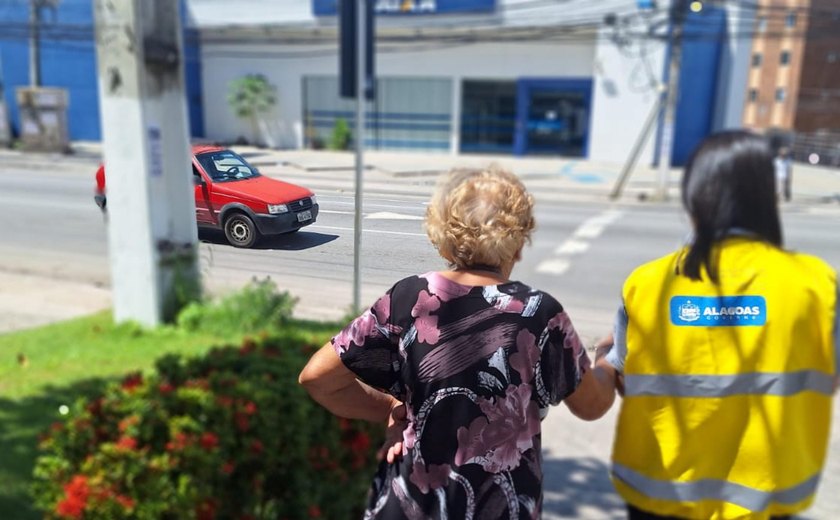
pixel 196 175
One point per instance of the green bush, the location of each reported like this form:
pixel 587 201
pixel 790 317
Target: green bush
pixel 256 307
pixel 230 435
pixel 341 135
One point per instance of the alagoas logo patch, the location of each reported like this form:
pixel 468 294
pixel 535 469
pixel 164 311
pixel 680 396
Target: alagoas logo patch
pixel 718 311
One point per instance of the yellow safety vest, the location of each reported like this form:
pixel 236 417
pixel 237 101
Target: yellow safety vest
pixel 728 387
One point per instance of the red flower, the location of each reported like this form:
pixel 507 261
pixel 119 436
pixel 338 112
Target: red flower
pixel 128 422
pixel 257 447
pixel 209 440
pixel 227 467
pixel 314 511
pixel 76 494
pixel 70 508
pixel 127 443
pixel 166 388
pixel 132 381
pixel 224 401
pixel 250 408
pixel 181 441
pixel 125 501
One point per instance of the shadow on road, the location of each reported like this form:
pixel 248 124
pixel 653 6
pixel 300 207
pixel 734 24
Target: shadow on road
pixel 298 241
pixel 579 488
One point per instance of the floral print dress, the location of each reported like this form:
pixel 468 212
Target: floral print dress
pixel 477 367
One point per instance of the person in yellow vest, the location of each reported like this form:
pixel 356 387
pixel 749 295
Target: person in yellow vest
pixel 728 351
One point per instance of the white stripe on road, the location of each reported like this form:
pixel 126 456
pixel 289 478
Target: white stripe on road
pixel 333 212
pixel 593 227
pixel 334 228
pixel 554 266
pixel 589 229
pixel 571 247
pixel 385 215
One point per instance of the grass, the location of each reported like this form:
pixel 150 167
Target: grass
pixel 44 368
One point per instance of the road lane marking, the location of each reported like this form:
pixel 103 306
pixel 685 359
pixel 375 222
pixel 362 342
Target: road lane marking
pixel 576 245
pixel 593 227
pixel 333 212
pixel 555 266
pixel 335 228
pixel 572 247
pixel 386 215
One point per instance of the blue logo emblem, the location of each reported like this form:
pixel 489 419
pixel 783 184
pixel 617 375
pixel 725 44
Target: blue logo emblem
pixel 718 311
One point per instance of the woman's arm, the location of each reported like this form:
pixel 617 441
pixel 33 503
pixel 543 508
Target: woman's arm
pixel 596 392
pixel 336 388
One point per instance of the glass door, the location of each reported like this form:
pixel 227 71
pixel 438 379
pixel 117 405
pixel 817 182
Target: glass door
pixel 553 117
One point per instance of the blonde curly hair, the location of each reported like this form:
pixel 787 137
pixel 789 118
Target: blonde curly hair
pixel 480 217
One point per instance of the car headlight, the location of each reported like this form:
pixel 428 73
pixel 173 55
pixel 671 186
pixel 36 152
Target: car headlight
pixel 274 209
pixel 313 199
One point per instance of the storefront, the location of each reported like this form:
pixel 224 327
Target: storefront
pixel 482 76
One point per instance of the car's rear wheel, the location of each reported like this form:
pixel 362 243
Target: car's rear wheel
pixel 240 230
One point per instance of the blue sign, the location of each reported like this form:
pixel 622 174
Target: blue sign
pixel 718 311
pixel 409 7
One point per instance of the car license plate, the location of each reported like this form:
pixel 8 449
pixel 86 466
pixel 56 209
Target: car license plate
pixel 304 216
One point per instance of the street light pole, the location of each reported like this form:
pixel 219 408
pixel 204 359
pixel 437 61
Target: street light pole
pixel 359 141
pixel 35 43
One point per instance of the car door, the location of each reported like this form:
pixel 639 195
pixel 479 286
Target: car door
pixel 203 213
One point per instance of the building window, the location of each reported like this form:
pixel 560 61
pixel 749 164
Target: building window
pixel 780 94
pixel 753 95
pixel 762 24
pixel 784 58
pixel 832 57
pixel 756 59
pixel 790 20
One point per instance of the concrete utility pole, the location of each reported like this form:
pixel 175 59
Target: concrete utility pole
pixel 666 143
pixel 151 229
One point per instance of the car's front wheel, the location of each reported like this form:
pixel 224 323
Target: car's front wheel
pixel 240 230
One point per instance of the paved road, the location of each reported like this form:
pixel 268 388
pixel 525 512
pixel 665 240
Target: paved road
pixel 581 253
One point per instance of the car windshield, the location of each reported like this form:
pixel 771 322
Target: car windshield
pixel 226 166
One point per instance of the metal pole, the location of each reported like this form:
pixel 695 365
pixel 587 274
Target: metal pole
pixel 360 144
pixel 666 145
pixel 34 45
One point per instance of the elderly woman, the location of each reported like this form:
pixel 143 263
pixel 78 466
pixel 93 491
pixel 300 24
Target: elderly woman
pixel 476 358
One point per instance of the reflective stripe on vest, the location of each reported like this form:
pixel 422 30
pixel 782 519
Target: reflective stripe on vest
pixel 755 383
pixel 714 489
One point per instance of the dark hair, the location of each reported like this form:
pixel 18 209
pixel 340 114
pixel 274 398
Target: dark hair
pixel 729 182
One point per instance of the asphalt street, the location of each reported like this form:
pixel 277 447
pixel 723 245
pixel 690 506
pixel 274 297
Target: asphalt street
pixel 581 252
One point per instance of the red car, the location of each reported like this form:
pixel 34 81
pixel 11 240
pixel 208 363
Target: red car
pixel 231 195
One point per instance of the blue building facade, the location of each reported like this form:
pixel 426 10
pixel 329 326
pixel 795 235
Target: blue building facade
pixel 705 35
pixel 68 60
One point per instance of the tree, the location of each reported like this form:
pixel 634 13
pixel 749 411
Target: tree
pixel 252 97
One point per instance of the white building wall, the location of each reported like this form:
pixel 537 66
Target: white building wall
pixel 625 92
pixel 223 63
